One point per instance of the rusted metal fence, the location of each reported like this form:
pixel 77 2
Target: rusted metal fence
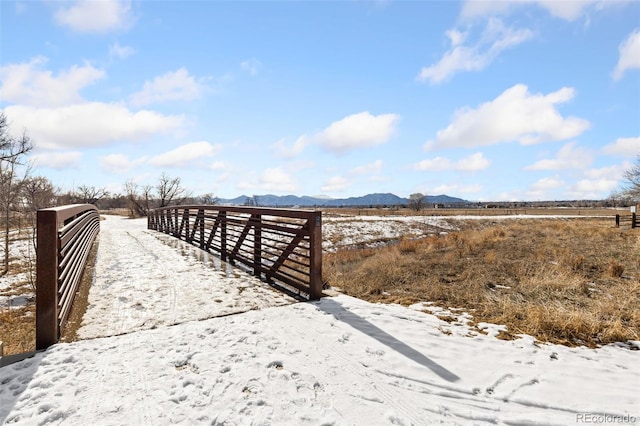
pixel 64 238
pixel 627 221
pixel 280 245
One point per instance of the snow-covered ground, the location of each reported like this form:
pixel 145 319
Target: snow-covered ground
pixel 371 231
pixel 146 279
pixel 16 290
pixel 340 231
pixel 275 361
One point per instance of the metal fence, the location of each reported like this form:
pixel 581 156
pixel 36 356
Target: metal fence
pixel 64 238
pixel 283 246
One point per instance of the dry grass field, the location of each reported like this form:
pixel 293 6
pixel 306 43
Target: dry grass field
pixel 569 281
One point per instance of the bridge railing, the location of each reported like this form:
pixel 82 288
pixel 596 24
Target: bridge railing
pixel 280 245
pixel 64 238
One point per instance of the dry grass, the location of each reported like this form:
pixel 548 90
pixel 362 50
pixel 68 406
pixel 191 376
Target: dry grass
pixel 564 281
pixel 18 329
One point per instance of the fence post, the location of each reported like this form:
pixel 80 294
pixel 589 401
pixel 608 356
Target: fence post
pixel 223 234
pixel 617 221
pixel 201 229
pixel 47 279
pixel 633 220
pixel 257 244
pixel 315 255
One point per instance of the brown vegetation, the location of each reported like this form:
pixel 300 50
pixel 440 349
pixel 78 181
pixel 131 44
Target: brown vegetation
pixel 18 329
pixel 569 281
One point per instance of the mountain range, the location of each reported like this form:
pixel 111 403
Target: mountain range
pixel 388 199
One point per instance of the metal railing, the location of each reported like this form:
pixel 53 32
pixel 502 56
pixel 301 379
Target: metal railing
pixel 283 246
pixel 64 238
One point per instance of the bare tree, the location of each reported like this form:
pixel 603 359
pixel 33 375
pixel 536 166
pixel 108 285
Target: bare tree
pixel 209 198
pixel 139 198
pixel 170 191
pixel 630 186
pixel 253 201
pixel 37 193
pixel 91 194
pixel 12 151
pixel 10 147
pixel 416 201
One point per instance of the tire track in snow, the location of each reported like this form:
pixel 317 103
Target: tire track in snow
pixel 173 296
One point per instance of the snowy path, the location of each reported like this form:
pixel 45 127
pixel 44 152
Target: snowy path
pixel 145 279
pixel 339 361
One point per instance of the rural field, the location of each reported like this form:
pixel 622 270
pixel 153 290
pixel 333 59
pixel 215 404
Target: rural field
pixel 572 279
pixel 562 276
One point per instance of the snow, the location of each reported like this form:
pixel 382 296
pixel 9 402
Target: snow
pixel 341 231
pixel 15 290
pixel 149 279
pixel 271 360
pixel 371 231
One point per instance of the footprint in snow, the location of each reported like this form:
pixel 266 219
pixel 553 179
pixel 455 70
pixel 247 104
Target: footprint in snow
pixel 345 338
pixel 275 364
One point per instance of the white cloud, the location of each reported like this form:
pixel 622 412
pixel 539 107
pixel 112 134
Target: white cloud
pixel 569 10
pixel 546 184
pixel 543 188
pixel 283 150
pixel 120 52
pixel 481 8
pixel 26 83
pixel 370 172
pixel 515 115
pixel 626 147
pixel 455 189
pixel 609 173
pixel 219 165
pixel 570 156
pixel 592 189
pixel 93 16
pixel 89 124
pixel 335 184
pixel 598 183
pixel 119 163
pixel 360 130
pixel 436 164
pixel 273 180
pixel 251 66
pixel 371 168
pixel 185 155
pixel 473 163
pixel 56 160
pixel 276 179
pixel 172 86
pixel 629 55
pixel 495 39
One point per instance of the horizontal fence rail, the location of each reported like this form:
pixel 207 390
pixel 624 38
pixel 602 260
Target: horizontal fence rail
pixel 64 238
pixel 628 220
pixel 283 246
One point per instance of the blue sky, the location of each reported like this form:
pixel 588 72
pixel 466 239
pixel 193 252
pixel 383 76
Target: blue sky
pixel 483 100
